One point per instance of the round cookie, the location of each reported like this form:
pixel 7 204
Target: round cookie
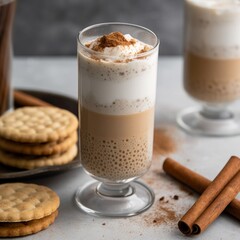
pixel 47 148
pixel 24 202
pixel 37 124
pixel 30 161
pixel 17 229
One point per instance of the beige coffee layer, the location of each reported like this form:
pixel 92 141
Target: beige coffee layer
pixel 116 126
pixel 212 80
pixel 116 147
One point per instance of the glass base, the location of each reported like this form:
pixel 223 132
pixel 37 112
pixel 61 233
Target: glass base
pixel 196 121
pixel 120 200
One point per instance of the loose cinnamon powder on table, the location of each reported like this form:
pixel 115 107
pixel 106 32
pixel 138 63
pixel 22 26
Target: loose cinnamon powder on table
pixel 163 142
pixel 163 212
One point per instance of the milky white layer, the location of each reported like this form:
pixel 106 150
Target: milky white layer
pixel 117 88
pixel 213 28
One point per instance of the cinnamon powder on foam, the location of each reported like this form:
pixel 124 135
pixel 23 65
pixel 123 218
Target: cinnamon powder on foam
pixel 113 39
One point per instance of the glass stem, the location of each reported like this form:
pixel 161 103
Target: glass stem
pixel 115 190
pixel 216 111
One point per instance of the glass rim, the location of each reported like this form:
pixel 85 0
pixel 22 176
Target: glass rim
pixel 139 55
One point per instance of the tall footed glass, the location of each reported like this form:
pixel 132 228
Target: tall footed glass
pixel 212 66
pixel 116 105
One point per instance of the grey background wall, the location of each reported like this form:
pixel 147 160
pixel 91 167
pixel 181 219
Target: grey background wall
pixel 50 27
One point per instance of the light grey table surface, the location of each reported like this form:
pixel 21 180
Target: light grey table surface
pixel 202 154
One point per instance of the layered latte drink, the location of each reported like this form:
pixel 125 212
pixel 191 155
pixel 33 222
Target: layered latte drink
pixel 117 83
pixel 212 50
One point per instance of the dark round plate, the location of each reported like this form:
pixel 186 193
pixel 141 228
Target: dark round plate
pixel 59 101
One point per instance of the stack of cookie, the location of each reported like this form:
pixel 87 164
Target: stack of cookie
pixel 26 208
pixel 32 137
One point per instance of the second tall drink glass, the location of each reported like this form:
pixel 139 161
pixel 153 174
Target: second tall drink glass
pixel 212 66
pixel 117 85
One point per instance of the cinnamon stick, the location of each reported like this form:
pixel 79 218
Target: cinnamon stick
pixel 218 205
pixel 25 99
pixel 200 183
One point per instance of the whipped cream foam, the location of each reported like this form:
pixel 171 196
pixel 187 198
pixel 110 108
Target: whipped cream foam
pixel 117 46
pixel 116 87
pixel 212 28
pixel 121 51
